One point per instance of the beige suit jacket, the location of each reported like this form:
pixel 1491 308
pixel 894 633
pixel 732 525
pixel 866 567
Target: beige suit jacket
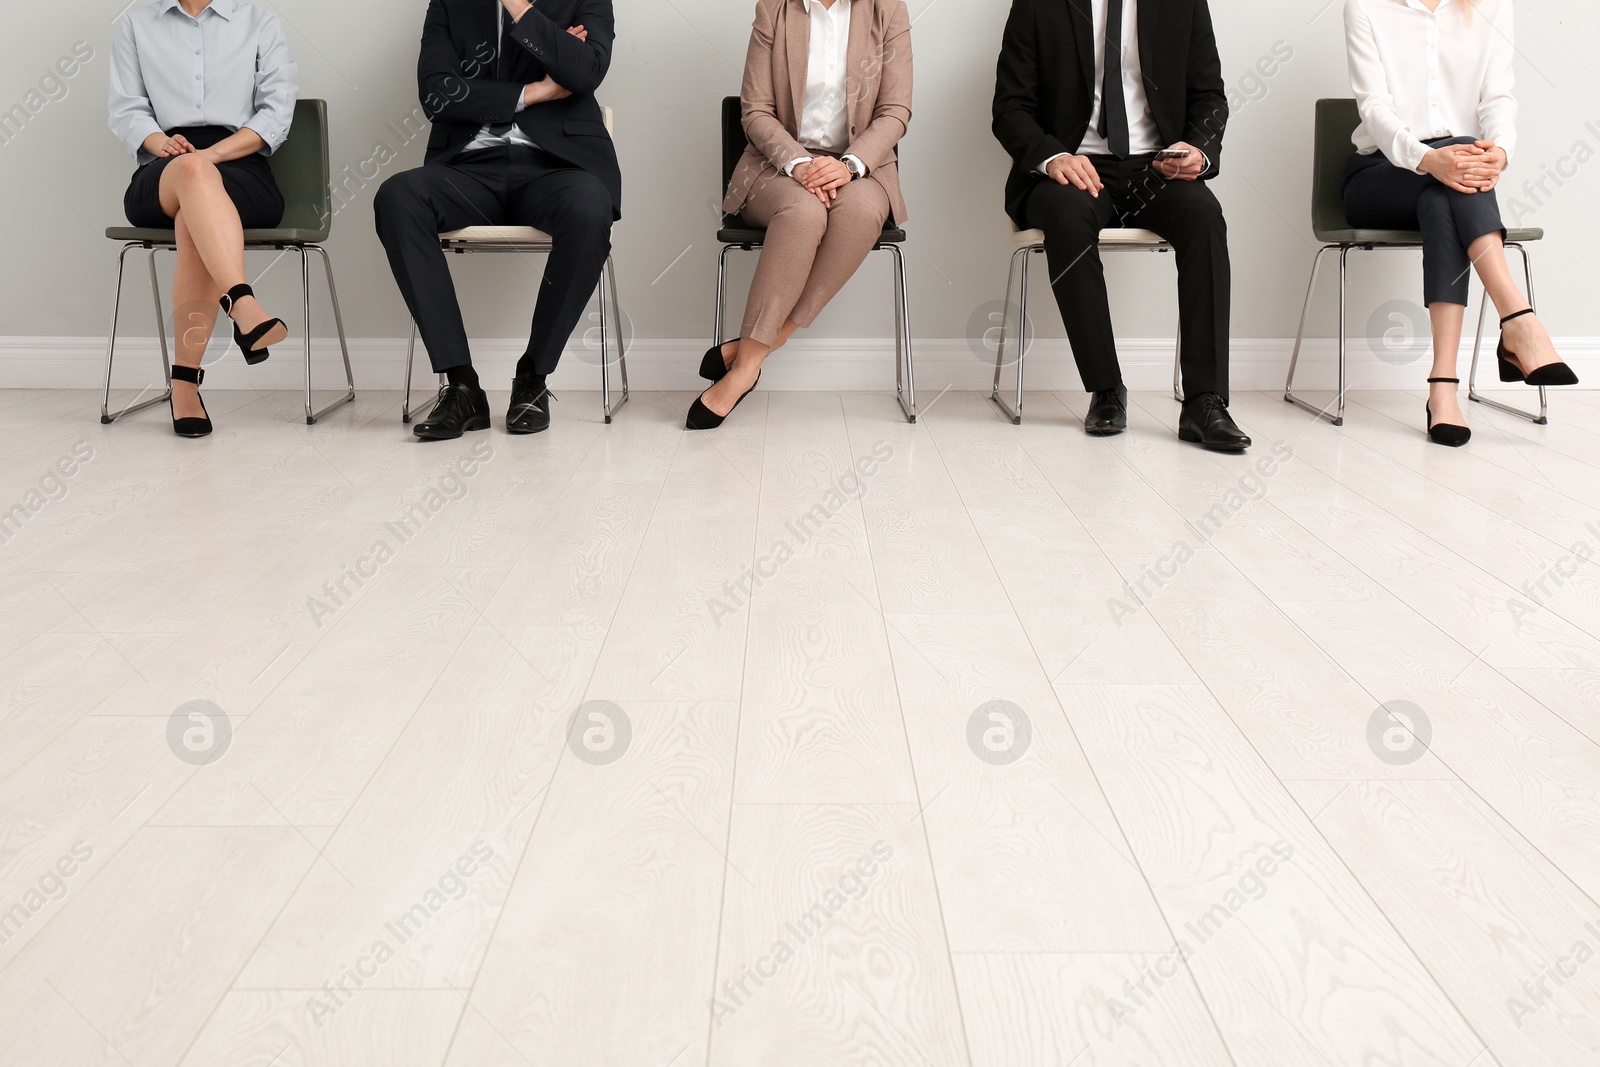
pixel 877 92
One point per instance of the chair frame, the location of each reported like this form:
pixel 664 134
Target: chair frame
pixel 304 250
pixel 905 379
pixel 1345 248
pixel 1022 257
pixel 609 308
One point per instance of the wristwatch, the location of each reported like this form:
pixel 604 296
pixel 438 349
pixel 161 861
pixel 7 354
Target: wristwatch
pixel 854 168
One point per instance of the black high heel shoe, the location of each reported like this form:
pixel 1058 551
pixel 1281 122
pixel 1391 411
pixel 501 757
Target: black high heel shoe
pixel 1557 373
pixel 248 342
pixel 200 427
pixel 713 368
pixel 1446 433
pixel 703 418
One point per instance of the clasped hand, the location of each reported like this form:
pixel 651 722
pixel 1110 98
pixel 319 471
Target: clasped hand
pixel 1466 168
pixel 823 177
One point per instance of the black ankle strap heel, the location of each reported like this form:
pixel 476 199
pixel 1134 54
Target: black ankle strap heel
pixel 190 427
pixel 1557 373
pixel 256 345
pixel 1446 433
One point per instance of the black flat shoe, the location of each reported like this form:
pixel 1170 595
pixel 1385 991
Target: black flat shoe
pixel 1205 422
pixel 1108 412
pixel 703 418
pixel 1446 433
pixel 713 368
pixel 1557 373
pixel 257 343
pixel 460 408
pixel 200 427
pixel 530 406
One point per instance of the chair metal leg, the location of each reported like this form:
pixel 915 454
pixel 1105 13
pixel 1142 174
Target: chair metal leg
pixel 906 387
pixel 610 322
pixel 1543 417
pixel 107 416
pixel 1019 266
pixel 1299 337
pixel 1177 366
pixel 338 322
pixel 621 341
pixel 722 294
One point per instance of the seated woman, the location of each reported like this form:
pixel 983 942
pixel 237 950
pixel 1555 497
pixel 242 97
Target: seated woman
pixel 202 91
pixel 820 173
pixel 1433 82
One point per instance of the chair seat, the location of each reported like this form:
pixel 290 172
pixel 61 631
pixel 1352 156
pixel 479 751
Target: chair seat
pixel 1110 236
pixel 1409 237
pixel 496 235
pixel 281 236
pixel 736 231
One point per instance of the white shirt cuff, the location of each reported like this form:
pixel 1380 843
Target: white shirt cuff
pixel 1044 168
pixel 788 169
pixel 862 167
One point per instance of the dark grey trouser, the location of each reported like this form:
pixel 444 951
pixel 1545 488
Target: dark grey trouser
pixel 1381 196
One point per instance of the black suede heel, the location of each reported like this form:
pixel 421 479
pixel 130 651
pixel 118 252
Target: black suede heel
pixel 247 342
pixel 1511 370
pixel 1446 433
pixel 713 368
pixel 200 427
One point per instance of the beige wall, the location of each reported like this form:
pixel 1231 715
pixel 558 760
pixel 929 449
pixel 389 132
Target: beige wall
pixel 62 174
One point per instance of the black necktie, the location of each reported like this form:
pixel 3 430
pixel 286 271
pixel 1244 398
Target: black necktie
pixel 1113 106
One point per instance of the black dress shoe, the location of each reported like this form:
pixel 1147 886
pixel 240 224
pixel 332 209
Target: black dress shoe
pixel 459 408
pixel 1108 412
pixel 530 406
pixel 713 368
pixel 1206 422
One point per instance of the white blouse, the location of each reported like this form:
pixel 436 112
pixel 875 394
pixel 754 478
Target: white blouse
pixel 1420 75
pixel 230 67
pixel 825 114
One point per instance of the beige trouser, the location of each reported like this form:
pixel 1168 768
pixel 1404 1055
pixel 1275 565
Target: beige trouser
pixel 810 250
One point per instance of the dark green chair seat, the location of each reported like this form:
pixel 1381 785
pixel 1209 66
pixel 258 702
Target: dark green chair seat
pixel 267 238
pixel 303 172
pixel 1336 122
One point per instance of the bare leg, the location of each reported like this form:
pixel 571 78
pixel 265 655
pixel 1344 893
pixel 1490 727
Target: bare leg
pixel 194 186
pixel 731 349
pixel 1526 336
pixel 745 368
pixel 1446 319
pixel 194 315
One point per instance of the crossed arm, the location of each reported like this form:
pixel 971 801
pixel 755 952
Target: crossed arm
pixel 576 59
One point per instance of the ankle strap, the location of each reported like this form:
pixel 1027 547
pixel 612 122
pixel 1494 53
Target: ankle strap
pixel 1516 315
pixel 192 375
pixel 233 296
pixel 1452 381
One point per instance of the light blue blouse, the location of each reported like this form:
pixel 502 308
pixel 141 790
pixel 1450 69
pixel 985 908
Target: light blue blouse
pixel 229 67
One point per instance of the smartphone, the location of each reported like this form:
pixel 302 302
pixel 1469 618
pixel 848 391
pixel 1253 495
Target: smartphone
pixel 1167 154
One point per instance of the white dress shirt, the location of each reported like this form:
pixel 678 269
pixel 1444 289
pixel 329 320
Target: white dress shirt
pixel 1143 136
pixel 487 138
pixel 1419 74
pixel 825 113
pixel 229 67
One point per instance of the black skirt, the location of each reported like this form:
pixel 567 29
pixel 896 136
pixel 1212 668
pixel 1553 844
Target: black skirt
pixel 248 181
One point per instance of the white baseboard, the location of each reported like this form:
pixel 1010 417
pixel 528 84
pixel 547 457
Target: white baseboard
pixel 671 364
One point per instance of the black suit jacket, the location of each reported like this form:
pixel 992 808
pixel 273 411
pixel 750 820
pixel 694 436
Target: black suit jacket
pixel 462 86
pixel 1044 88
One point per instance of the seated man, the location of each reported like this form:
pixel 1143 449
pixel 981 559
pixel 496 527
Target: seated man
pixel 518 140
pixel 1112 112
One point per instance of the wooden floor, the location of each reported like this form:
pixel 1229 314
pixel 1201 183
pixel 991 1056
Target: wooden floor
pixel 823 740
